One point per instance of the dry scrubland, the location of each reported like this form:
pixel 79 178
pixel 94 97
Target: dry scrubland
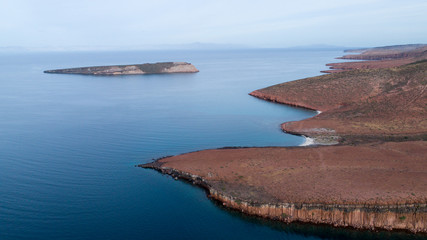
pixel 376 177
pixel 366 104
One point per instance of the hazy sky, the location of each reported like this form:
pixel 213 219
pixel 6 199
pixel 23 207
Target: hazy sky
pixel 264 23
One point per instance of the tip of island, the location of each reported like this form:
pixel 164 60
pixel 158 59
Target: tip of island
pixel 374 112
pixel 134 69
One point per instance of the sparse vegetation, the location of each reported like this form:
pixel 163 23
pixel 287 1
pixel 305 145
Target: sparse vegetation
pixel 379 103
pixel 373 109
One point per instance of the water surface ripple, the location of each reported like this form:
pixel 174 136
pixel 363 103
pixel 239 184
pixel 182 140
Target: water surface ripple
pixel 69 143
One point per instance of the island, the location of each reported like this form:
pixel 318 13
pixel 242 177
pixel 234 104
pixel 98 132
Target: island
pixel 367 168
pixel 134 69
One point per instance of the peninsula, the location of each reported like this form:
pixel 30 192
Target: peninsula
pixel 380 57
pixel 147 68
pixel 375 174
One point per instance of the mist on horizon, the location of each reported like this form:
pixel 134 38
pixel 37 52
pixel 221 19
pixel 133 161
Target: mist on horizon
pixel 166 24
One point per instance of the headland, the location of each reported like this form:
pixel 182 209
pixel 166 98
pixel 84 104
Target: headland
pixel 375 176
pixel 380 57
pixel 134 69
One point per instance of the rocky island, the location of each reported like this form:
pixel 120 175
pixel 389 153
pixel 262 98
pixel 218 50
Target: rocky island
pixel 147 68
pixel 375 174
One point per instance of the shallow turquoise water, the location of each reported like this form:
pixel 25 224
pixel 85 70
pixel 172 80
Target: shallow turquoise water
pixel 69 143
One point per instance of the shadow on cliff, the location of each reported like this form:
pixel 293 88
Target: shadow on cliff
pixel 322 231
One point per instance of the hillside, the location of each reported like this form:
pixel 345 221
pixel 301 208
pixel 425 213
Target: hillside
pixel 367 103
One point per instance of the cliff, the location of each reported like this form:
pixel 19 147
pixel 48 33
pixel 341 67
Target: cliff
pixel 147 68
pixel 382 186
pixel 375 178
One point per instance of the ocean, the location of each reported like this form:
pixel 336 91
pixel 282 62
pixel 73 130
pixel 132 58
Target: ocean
pixel 69 143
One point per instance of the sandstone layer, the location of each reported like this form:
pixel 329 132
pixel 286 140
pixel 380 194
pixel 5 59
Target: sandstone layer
pixel 147 68
pixel 382 186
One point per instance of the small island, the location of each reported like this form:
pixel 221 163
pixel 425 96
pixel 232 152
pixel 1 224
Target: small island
pixel 134 69
pixel 373 114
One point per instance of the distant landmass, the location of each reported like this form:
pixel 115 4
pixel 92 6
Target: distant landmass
pixel 134 69
pixel 317 47
pixel 178 47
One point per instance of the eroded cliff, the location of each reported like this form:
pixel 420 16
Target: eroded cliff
pixel 384 185
pixel 402 216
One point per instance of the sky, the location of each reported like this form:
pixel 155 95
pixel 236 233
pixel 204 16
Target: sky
pixel 134 24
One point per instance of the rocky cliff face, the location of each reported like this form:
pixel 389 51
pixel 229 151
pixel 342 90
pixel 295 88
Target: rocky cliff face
pixel 412 217
pixel 147 68
pixel 364 186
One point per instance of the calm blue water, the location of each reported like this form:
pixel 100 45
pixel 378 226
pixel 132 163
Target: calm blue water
pixel 69 143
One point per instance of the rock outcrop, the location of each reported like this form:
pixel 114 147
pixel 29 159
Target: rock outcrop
pixel 147 68
pixel 391 215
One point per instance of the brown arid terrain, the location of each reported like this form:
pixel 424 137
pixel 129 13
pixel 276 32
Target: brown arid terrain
pixel 362 104
pixel 380 173
pixel 376 175
pixel 366 186
pixel 387 53
pixel 383 57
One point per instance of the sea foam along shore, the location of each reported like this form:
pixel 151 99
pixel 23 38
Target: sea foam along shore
pixel 308 140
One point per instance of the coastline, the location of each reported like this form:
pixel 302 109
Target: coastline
pixel 254 193
pixel 310 139
pixel 358 105
pixel 339 206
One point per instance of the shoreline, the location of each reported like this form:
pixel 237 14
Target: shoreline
pixel 310 140
pixel 255 191
pixel 355 216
